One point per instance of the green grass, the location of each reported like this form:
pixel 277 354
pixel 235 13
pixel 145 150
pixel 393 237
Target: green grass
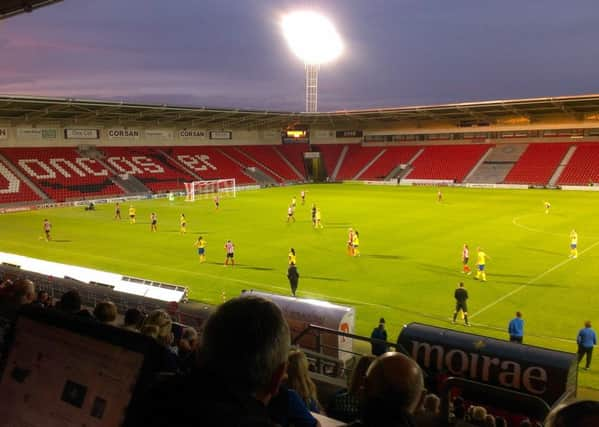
pixel 410 245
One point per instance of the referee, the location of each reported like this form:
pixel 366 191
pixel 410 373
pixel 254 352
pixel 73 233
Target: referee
pixel 461 298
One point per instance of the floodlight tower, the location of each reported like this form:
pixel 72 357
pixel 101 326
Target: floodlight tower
pixel 313 39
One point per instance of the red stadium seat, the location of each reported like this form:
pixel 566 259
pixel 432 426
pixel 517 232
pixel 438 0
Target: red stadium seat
pixel 356 158
pixel 149 165
pixel 13 189
pixel 393 157
pixel 62 173
pixel 583 167
pixel 209 163
pixel 537 164
pixel 447 161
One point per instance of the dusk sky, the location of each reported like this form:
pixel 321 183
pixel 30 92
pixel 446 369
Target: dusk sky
pixel 231 53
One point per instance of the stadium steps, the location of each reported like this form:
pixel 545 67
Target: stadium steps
pixel 344 151
pixel 560 169
pixel 538 163
pixel 370 163
pixel 265 169
pixel 402 170
pixel 497 164
pixel 243 167
pixel 179 164
pixel 131 186
pixel 288 163
pixel 25 179
pixel 260 177
pixel 478 164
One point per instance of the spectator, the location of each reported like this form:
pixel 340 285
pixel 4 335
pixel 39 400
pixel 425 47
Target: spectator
pixel 379 333
pixel 159 325
pixel 70 302
pixel 489 421
pixel 430 413
pixel 459 409
pixel 105 312
pixel 345 405
pixel 133 319
pixel 298 379
pixel 287 408
pixel 187 345
pixel 580 413
pixel 500 422
pixel 229 387
pixel 586 340
pixel 516 328
pixel 43 300
pixel 478 414
pixel 393 391
pixel 15 295
pixel 526 423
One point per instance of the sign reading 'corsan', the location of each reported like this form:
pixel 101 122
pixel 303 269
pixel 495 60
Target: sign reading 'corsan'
pixel 123 133
pixel 192 133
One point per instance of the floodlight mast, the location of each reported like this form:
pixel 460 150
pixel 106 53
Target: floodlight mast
pixel 312 87
pixel 312 38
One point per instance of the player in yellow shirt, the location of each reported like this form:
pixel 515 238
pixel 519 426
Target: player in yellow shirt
pixel 200 244
pixel 356 243
pixel 573 244
pixel 547 206
pixel 292 257
pixel 183 224
pixel 318 223
pixel 481 260
pixel 132 215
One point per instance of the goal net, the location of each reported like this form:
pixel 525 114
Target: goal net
pixel 209 189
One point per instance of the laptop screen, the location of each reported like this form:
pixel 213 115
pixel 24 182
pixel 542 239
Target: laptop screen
pixel 56 376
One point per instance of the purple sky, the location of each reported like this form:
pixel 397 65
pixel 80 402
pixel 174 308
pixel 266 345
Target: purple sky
pixel 230 53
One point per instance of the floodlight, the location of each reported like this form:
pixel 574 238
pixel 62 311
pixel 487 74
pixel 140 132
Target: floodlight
pixel 313 39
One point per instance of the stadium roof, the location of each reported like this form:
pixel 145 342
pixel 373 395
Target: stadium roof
pixel 10 8
pixel 19 109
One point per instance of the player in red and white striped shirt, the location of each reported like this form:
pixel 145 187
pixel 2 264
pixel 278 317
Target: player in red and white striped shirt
pixel 230 249
pixel 465 258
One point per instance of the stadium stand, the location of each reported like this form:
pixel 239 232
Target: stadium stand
pixel 537 164
pixel 497 164
pixel 583 168
pixel 269 157
pixel 13 189
pixel 355 159
pixel 209 163
pixel 447 161
pixel 62 173
pixel 330 155
pixel 148 165
pixel 248 162
pixel 294 153
pixel 393 157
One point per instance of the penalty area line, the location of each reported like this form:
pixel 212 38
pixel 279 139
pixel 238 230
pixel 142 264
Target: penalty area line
pixel 530 282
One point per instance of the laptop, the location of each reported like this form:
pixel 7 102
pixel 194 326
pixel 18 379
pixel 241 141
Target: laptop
pixel 61 370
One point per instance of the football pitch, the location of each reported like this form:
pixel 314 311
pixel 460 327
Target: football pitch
pixel 410 247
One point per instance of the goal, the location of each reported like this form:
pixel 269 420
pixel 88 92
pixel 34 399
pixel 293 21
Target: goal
pixel 208 189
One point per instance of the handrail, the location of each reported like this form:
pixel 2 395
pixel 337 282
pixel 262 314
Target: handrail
pixel 318 328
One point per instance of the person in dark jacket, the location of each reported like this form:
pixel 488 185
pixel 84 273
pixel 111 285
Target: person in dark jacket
pixel 586 340
pixel 393 391
pixel 461 298
pixel 379 333
pixel 293 276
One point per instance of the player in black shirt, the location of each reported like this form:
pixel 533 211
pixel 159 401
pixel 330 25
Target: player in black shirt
pixel 461 298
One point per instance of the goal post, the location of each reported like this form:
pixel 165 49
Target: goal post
pixel 223 188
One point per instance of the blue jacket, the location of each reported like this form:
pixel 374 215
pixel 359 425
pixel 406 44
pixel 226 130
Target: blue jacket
pixel 586 338
pixel 516 327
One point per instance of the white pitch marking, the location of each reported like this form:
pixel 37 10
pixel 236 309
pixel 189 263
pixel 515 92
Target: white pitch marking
pixel 530 282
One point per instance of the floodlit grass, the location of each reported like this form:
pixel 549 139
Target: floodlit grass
pixel 410 244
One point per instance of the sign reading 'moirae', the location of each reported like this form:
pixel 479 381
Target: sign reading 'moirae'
pixel 532 370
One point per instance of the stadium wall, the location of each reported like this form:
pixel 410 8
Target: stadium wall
pixel 49 135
